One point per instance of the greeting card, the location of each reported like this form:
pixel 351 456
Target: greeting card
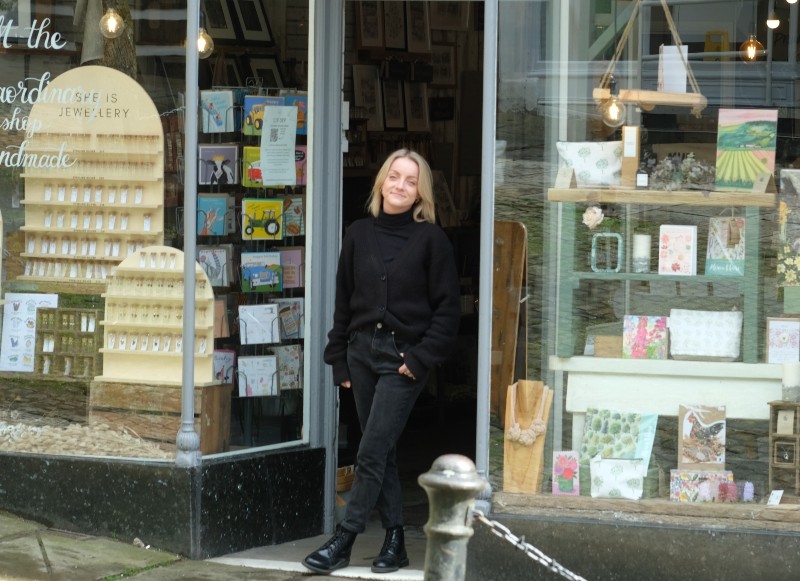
pixel 746 141
pixel 291 313
pixel 258 324
pixel 301 167
pixel 301 102
pixel 292 266
pixel 644 337
pixel 254 112
pixel 701 437
pixel 262 219
pixel 783 340
pixel 294 216
pixel 251 167
pixel 217 111
pixel 224 365
pixel 566 473
pixel 258 375
pixel 725 254
pixel 218 164
pixel 261 272
pixel 677 250
pixel 216 263
pixel 212 210
pixel 290 365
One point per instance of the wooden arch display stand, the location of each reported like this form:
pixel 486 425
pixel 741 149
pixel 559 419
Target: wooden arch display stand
pixel 143 353
pixel 94 186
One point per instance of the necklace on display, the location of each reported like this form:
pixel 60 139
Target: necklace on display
pixel 526 436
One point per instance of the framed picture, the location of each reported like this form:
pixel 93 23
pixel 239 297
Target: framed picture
pixel 785 453
pixel 18 14
pixel 253 21
pixel 450 15
pixel 418 25
pixel 394 25
pixel 443 59
pixel 369 19
pixel 231 71
pixel 783 340
pixel 218 21
pixel 393 104
pixel 266 69
pixel 219 164
pixel 367 94
pixel 416 99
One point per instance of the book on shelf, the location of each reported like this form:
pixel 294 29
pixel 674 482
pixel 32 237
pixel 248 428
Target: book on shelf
pixel 261 272
pixel 677 250
pixel 725 254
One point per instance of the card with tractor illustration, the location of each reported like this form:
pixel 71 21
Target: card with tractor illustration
pixel 745 147
pixel 254 112
pixel 261 272
pixel 262 219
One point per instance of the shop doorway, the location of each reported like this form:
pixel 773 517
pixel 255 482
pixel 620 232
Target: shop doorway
pixel 413 78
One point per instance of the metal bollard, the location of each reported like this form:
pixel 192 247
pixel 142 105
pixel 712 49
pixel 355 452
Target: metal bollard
pixel 451 484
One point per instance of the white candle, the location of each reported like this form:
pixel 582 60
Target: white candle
pixel 641 246
pixel 791 374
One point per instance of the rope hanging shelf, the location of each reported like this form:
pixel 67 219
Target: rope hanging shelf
pixel 647 100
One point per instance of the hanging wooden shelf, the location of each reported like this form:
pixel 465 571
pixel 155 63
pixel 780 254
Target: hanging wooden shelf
pixel 647 100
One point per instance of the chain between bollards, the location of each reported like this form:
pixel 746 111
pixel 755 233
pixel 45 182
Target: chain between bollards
pixel 451 484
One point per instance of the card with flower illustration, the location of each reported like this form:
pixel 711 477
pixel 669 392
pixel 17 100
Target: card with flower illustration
pixel 566 473
pixel 645 337
pixel 677 250
pixel 783 340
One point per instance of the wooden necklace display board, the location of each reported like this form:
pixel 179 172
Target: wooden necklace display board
pixel 94 184
pixel 527 414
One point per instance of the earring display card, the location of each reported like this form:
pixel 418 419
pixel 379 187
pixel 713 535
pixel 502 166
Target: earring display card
pixel 262 219
pixel 258 375
pixel 261 272
pixel 17 346
pixel 258 324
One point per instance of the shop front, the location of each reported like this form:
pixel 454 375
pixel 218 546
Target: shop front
pixel 618 181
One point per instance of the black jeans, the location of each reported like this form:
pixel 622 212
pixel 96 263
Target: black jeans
pixel 384 399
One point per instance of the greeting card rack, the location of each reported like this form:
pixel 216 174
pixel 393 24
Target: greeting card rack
pixel 143 323
pixel 68 342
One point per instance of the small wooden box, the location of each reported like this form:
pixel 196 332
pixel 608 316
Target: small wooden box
pixel 608 346
pixel 154 411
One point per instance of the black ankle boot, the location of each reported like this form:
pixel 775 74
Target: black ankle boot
pixel 333 555
pixel 393 553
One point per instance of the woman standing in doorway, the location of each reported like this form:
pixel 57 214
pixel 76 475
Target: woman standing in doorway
pixel 396 317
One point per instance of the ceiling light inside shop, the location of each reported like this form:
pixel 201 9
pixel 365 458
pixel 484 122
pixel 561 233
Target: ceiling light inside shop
pixel 205 44
pixel 751 49
pixel 773 21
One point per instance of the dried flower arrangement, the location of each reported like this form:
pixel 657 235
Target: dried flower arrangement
pixel 676 172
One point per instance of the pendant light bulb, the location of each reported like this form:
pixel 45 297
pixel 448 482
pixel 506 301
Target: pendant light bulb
pixel 791 1
pixel 205 44
pixel 773 21
pixel 111 24
pixel 751 49
pixel 613 110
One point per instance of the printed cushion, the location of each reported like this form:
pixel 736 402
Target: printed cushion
pixel 596 163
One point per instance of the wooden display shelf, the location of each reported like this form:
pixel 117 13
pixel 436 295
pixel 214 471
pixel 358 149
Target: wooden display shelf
pixel 154 411
pixel 660 198
pixel 647 100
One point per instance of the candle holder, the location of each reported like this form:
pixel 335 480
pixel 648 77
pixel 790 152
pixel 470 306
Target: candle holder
pixel 640 261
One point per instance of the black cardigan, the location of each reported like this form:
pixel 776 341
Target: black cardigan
pixel 416 295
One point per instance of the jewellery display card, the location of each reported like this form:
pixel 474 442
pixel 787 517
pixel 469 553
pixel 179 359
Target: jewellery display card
pixel 262 219
pixel 783 340
pixel 212 210
pixel 725 254
pixel 785 422
pixel 218 164
pixel 291 317
pixel 261 272
pixel 224 365
pixel 258 324
pixel 746 141
pixel 18 343
pixel 258 375
pixel 292 266
pixel 566 480
pixel 645 337
pixel 290 366
pixel 677 250
pixel 701 437
pixel 217 111
pixel 216 262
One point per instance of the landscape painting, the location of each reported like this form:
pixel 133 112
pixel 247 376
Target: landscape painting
pixel 745 147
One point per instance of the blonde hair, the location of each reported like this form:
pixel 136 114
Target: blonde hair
pixel 425 210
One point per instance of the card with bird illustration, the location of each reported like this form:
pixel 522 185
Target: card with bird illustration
pixel 701 437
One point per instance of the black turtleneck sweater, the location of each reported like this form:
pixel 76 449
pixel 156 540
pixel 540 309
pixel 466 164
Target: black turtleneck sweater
pixel 402 273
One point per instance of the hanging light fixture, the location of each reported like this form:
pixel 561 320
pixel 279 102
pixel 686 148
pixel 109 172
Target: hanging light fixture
pixel 613 110
pixel 205 44
pixel 772 20
pixel 111 24
pixel 751 49
pixel 791 1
